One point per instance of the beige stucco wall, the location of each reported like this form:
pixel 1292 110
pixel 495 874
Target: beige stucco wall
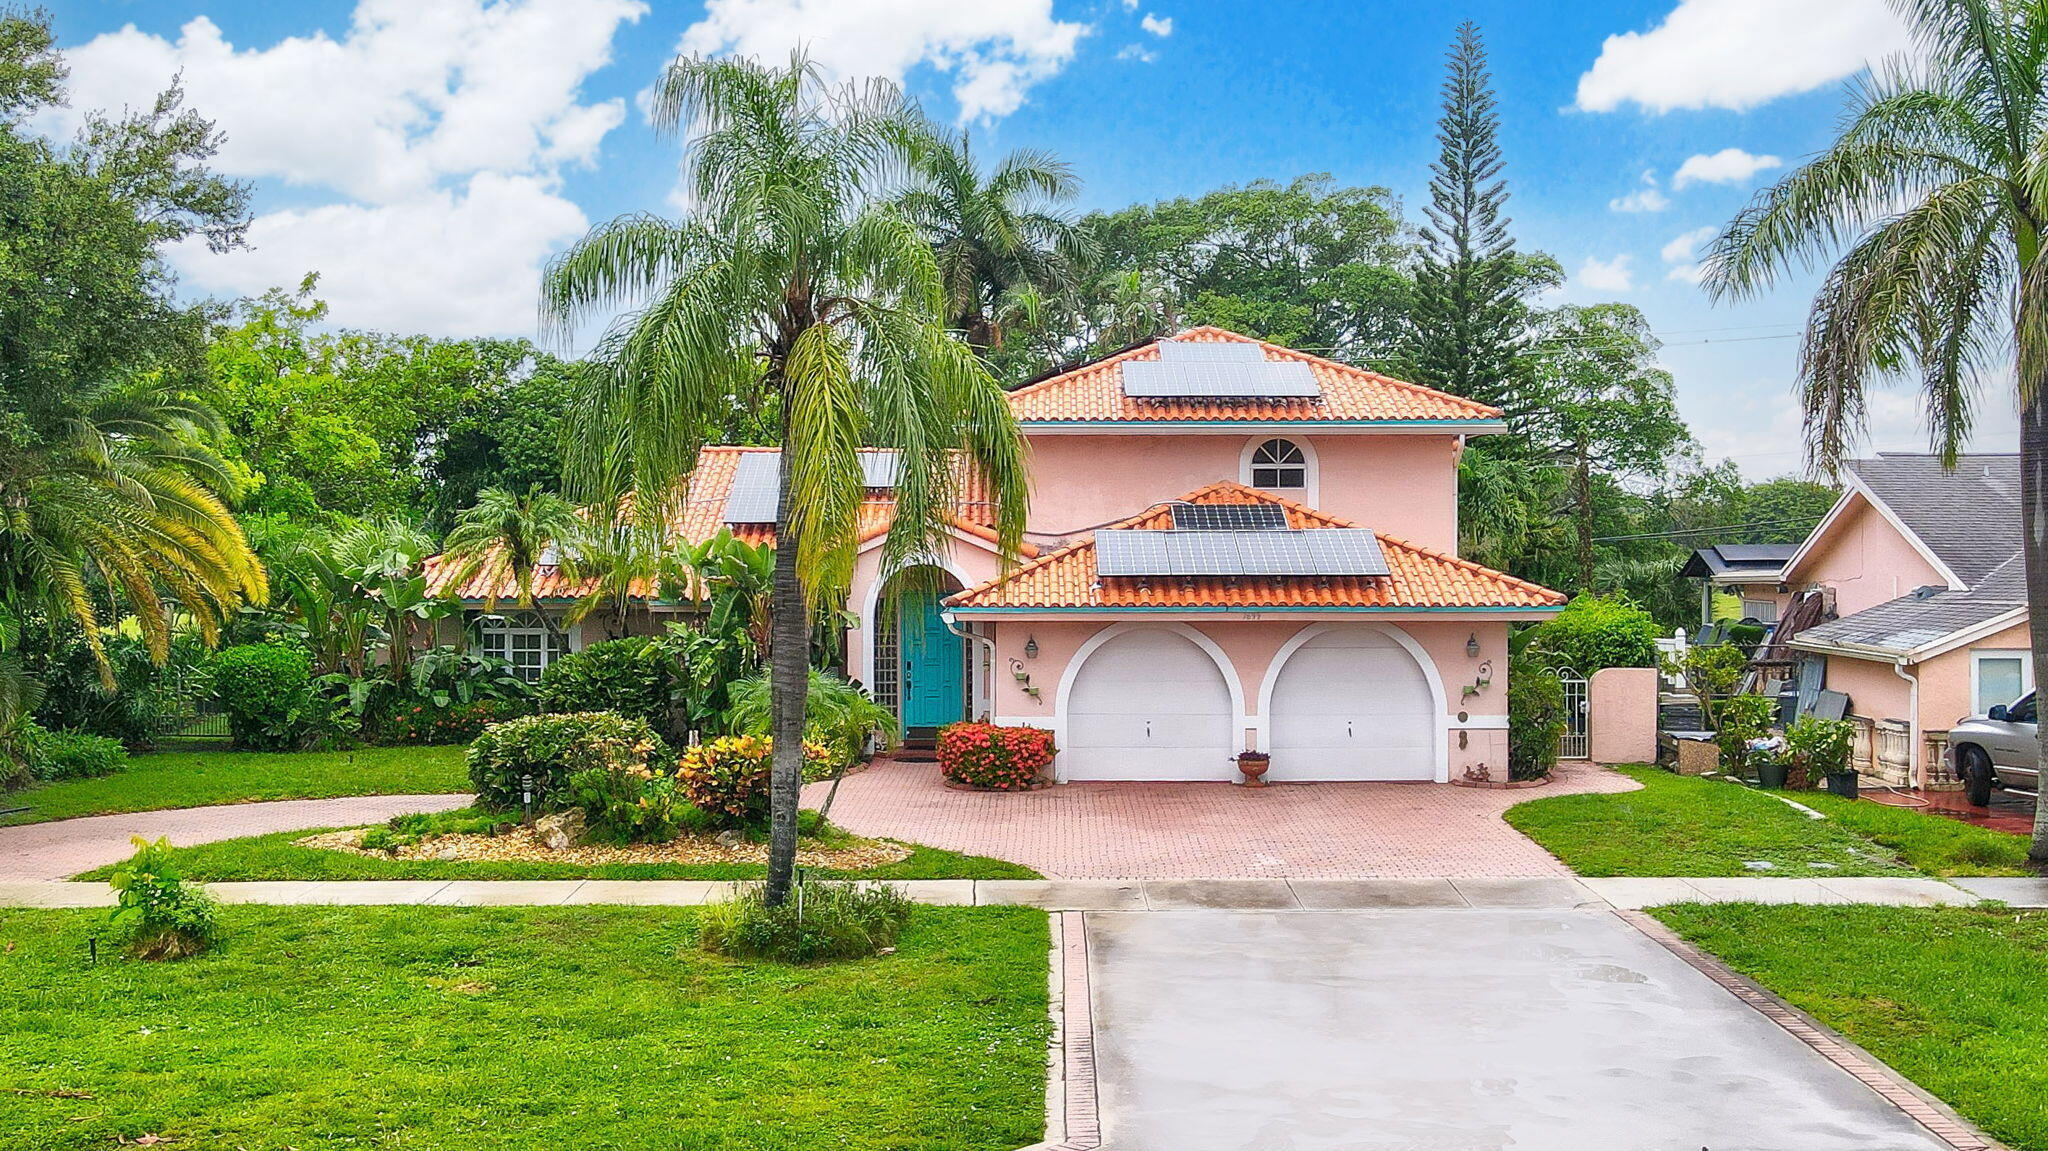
pixel 1250 647
pixel 1403 485
pixel 1621 704
pixel 1865 559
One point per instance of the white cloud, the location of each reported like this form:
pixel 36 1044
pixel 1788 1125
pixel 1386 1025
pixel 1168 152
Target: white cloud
pixel 1644 199
pixel 430 139
pixel 1157 25
pixel 1683 245
pixel 1606 275
pixel 457 263
pixel 1727 166
pixel 1138 52
pixel 996 50
pixel 1737 54
pixel 411 95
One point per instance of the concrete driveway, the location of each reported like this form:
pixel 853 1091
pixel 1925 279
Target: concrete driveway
pixel 1427 1030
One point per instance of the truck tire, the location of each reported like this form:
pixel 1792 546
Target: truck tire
pixel 1975 769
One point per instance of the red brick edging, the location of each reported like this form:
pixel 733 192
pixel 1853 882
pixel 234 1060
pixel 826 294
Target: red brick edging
pixel 1083 1121
pixel 1894 1088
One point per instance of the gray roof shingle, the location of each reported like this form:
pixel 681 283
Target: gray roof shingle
pixel 1970 518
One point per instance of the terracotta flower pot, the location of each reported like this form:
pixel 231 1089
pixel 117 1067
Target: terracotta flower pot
pixel 1254 765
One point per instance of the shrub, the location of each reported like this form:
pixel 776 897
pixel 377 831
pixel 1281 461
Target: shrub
pixel 72 755
pixel 634 677
pixel 994 757
pixel 1713 673
pixel 1745 635
pixel 728 778
pixel 1742 718
pixel 1593 632
pixel 161 916
pixel 423 723
pixel 1819 746
pixel 626 804
pixel 550 749
pixel 1536 720
pixel 264 688
pixel 837 714
pixel 818 921
pixel 147 701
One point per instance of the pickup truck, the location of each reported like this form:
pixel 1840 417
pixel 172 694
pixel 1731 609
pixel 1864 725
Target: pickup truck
pixel 2001 748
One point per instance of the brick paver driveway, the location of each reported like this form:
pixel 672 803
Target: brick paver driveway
pixel 1212 830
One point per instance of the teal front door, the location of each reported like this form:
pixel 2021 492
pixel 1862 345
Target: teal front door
pixel 934 687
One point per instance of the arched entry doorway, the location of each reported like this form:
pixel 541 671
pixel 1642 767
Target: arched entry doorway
pixel 920 664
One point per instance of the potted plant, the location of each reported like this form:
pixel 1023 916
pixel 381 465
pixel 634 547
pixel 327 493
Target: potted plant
pixel 1771 769
pixel 1740 723
pixel 1254 764
pixel 1821 747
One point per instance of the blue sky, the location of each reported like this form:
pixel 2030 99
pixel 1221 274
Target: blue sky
pixel 426 156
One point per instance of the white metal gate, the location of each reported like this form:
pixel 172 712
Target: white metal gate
pixel 1577 742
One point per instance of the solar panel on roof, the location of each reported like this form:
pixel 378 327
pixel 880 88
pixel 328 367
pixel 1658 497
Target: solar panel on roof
pixel 1212 379
pixel 1229 517
pixel 1290 552
pixel 753 495
pixel 754 483
pixel 1191 351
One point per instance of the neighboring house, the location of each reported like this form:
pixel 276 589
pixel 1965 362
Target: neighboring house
pixel 1924 598
pixel 1753 572
pixel 1230 546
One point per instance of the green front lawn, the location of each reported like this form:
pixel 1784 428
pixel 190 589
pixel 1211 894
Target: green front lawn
pixel 427 1028
pixel 1689 826
pixel 199 778
pixel 1953 998
pixel 279 857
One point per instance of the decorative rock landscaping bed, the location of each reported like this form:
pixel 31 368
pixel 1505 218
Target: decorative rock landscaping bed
pixel 523 845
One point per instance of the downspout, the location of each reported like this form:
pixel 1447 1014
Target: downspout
pixel 1914 752
pixel 946 618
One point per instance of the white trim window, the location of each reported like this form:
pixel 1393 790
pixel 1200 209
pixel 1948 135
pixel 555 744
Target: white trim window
pixel 520 639
pixel 1279 465
pixel 1999 676
pixel 1761 610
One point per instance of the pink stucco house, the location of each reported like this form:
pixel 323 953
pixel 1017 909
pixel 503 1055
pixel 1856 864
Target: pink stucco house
pixel 1918 589
pixel 1230 546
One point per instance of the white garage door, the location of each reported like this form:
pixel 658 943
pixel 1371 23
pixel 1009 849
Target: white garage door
pixel 1149 705
pixel 1353 704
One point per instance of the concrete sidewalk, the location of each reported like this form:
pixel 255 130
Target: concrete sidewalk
pixel 53 850
pixel 1100 895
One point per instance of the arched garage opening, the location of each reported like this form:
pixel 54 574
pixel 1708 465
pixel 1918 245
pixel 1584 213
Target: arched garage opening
pixel 1149 703
pixel 1354 702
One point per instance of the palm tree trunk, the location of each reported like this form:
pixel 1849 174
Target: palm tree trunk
pixel 789 681
pixel 2034 506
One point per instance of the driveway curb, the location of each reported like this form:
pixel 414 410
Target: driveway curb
pixel 1939 1120
pixel 1073 1119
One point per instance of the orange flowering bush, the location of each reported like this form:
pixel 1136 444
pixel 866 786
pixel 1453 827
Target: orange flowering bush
pixel 994 757
pixel 727 778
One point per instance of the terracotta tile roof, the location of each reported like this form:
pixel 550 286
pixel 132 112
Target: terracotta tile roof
pixel 1093 393
pixel 702 515
pixel 1419 577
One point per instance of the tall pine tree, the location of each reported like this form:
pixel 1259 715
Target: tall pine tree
pixel 1469 315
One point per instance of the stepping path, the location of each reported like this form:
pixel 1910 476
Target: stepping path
pixel 1541 894
pixel 44 851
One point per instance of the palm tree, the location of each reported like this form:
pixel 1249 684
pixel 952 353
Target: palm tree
pixel 793 288
pixel 129 494
pixel 620 557
pixel 504 536
pixel 1933 202
pixel 997 236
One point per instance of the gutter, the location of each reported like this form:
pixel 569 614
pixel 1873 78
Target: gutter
pixel 1147 609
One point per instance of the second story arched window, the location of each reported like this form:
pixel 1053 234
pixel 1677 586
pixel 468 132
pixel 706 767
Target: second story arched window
pixel 1279 466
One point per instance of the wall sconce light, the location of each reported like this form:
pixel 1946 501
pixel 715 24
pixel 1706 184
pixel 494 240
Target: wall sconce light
pixel 1472 645
pixel 1030 647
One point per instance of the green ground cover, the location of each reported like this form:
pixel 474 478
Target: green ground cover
pixel 199 778
pixel 429 1028
pixel 1950 997
pixel 1690 826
